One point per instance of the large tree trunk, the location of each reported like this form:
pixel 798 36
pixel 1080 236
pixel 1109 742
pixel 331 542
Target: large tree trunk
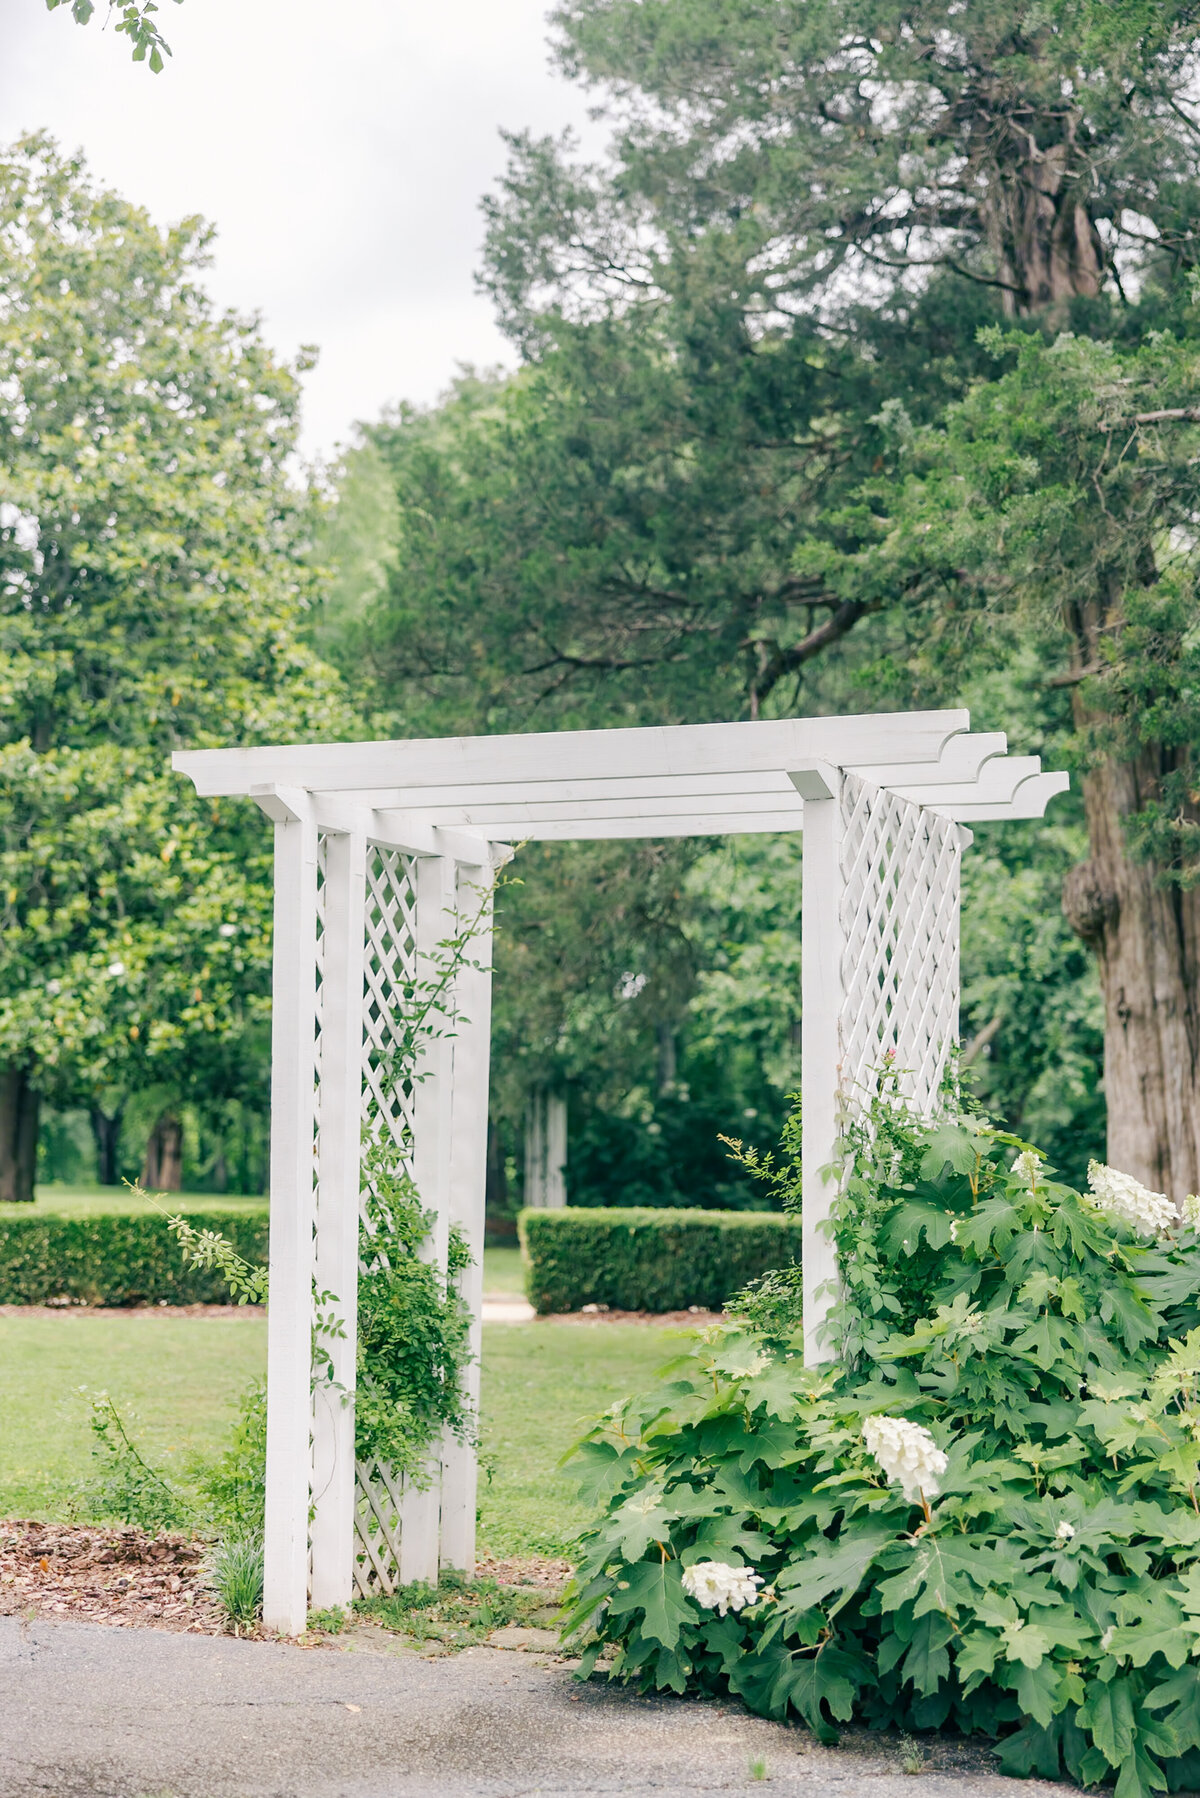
pixel 1146 936
pixel 19 1107
pixel 162 1170
pixel 1036 199
pixel 106 1133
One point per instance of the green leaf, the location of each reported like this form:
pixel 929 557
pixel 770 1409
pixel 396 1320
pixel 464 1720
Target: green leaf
pixel 1108 1714
pixel 927 1663
pixel 833 1568
pixel 654 1588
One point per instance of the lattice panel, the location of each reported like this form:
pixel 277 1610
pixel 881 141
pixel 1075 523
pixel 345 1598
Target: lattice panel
pixel 377 1496
pixel 318 1023
pixel 899 918
pixel 389 984
pixel 390 979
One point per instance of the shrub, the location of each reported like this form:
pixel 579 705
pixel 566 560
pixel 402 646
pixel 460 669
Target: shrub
pixel 117 1259
pixel 1041 1586
pixel 649 1260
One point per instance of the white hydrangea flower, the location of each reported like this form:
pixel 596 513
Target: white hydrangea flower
pixel 1064 1533
pixel 907 1453
pixel 1191 1211
pixel 954 1229
pixel 1028 1166
pixel 719 1587
pixel 1149 1213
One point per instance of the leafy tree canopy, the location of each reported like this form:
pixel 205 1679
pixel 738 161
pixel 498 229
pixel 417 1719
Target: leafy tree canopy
pixel 152 581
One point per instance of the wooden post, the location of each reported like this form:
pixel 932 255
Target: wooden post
pixel 332 1530
pixel 468 1183
pixel 293 1121
pixel 820 1050
pixel 432 1126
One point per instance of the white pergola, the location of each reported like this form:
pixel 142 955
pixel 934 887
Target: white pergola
pixel 382 849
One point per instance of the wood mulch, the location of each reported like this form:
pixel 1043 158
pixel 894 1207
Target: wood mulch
pixel 123 1577
pixel 119 1576
pixel 525 1570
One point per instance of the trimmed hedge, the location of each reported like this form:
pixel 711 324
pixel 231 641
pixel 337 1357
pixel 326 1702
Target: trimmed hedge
pixel 643 1259
pixel 117 1259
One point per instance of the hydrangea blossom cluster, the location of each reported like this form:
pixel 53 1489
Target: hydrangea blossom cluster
pixel 719 1587
pixel 1191 1211
pixel 907 1453
pixel 1149 1213
pixel 1027 1167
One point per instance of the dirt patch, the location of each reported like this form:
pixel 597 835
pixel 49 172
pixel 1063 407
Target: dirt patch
pixel 117 1576
pixel 547 1574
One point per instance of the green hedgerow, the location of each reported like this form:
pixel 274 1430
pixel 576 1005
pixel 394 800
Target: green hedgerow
pixel 1040 1585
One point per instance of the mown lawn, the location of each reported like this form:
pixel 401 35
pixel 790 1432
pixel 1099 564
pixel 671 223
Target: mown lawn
pixel 180 1378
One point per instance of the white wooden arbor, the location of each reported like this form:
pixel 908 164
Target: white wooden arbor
pixel 380 848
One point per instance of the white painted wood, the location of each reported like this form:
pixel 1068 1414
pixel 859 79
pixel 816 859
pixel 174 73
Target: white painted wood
pixel 332 1528
pixel 433 1098
pixel 468 1187
pixel 961 759
pixel 545 1150
pixel 996 782
pixel 556 1151
pixel 289 1317
pixel 699 824
pixel 534 1193
pixel 597 754
pixel 821 1001
pixel 1029 801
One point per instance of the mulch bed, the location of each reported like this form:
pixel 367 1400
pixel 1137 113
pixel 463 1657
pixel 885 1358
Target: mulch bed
pixel 123 1577
pixel 118 1576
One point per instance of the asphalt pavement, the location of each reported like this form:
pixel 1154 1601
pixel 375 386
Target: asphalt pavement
pixel 94 1712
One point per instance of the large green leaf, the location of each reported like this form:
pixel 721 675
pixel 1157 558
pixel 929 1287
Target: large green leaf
pixel 654 1588
pixel 833 1569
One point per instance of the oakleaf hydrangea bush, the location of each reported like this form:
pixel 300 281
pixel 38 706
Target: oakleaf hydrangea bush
pixel 984 1516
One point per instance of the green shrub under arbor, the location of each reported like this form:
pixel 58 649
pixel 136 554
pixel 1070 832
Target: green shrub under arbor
pixel 642 1259
pixel 117 1259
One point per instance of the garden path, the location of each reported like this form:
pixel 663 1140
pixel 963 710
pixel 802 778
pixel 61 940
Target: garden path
pixel 91 1712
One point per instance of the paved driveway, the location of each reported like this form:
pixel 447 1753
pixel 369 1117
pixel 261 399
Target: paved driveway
pixel 91 1712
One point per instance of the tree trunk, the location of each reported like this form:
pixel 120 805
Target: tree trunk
pixel 1146 936
pixel 162 1170
pixel 106 1133
pixel 19 1106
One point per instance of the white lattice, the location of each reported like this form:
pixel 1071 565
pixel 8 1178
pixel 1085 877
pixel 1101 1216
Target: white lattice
pixel 318 1020
pixel 899 927
pixel 377 1508
pixel 389 983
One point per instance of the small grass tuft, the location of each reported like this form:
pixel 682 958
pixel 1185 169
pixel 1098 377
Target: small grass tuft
pixel 456 1612
pixel 758 1769
pixel 912 1755
pixel 235 1573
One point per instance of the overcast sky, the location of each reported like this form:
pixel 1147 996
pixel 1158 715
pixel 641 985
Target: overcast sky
pixel 343 168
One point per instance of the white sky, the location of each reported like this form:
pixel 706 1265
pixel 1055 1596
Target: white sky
pixel 341 150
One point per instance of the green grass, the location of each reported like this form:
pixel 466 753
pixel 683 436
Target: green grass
pixel 541 1383
pixel 183 1376
pixel 91 1201
pixel 503 1272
